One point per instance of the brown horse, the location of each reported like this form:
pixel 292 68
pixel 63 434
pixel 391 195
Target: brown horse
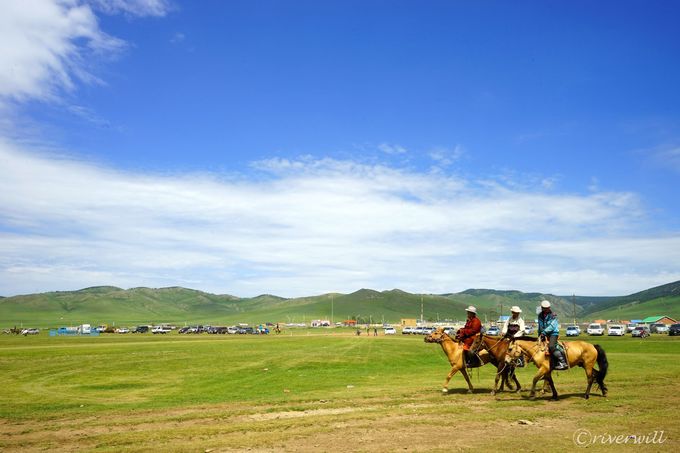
pixel 498 348
pixel 454 352
pixel 578 353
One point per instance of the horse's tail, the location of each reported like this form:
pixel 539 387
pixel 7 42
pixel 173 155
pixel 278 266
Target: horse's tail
pixel 602 364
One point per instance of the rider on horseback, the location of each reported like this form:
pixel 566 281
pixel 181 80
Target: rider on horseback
pixel 514 328
pixel 467 335
pixel 549 328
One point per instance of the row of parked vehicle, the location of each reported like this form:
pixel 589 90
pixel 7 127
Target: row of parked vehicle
pixel 635 330
pixel 231 330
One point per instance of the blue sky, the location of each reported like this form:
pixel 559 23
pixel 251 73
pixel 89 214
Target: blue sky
pixel 299 148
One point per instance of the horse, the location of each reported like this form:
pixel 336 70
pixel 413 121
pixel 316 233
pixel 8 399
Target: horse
pixel 454 352
pixel 498 348
pixel 578 353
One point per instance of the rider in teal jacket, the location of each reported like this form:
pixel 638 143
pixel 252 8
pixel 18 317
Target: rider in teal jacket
pixel 549 329
pixel 547 325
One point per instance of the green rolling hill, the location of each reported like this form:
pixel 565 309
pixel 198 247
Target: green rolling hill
pixel 111 305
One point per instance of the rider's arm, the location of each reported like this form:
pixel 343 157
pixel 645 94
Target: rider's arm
pixel 550 327
pixel 520 332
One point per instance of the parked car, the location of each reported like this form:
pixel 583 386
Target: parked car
pixel 630 327
pixel 231 330
pixel 408 330
pixel 674 330
pixel 390 331
pixel 615 330
pixel 450 331
pixel 641 332
pixel 30 332
pixel 529 330
pixel 428 330
pixel 122 330
pixel 573 331
pixel 160 329
pixel 141 329
pixel 595 329
pixel 574 326
pixel 658 328
pixel 493 330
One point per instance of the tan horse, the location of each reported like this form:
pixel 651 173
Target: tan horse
pixel 498 348
pixel 578 353
pixel 454 352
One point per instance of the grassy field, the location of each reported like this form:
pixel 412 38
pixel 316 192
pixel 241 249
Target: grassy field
pixel 311 391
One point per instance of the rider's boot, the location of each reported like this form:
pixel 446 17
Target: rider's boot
pixel 471 359
pixel 560 362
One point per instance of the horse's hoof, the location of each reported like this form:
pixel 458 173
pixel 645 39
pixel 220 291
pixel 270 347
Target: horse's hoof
pixel 586 396
pixel 445 391
pixel 493 392
pixel 469 391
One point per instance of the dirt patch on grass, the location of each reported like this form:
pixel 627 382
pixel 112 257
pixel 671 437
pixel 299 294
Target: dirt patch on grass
pixel 417 423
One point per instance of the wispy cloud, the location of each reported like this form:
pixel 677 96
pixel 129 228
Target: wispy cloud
pixel 311 226
pixel 668 158
pixel 444 157
pixel 177 38
pixel 133 7
pixel 392 148
pixel 44 48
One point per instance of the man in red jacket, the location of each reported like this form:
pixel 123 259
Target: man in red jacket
pixel 467 335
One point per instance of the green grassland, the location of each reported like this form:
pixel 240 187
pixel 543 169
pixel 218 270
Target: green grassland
pixel 309 390
pixel 115 306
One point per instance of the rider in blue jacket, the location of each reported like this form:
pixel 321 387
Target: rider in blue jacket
pixel 548 328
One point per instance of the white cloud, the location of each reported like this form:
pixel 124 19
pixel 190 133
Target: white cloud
pixel 392 149
pixel 444 157
pixel 43 44
pixel 46 46
pixel 310 226
pixel 133 7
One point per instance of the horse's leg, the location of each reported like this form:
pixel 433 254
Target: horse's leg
pixel 453 371
pixel 542 371
pixel 467 379
pixel 514 377
pixel 499 376
pixel 549 380
pixel 590 377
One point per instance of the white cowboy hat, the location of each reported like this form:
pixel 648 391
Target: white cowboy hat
pixel 471 309
pixel 516 309
pixel 545 304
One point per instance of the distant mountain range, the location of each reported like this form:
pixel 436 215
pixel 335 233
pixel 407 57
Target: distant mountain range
pixel 109 305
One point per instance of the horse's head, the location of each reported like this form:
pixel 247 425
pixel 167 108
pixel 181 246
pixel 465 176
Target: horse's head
pixel 437 336
pixel 514 352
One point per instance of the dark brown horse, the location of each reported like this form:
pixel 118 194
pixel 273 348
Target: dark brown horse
pixel 578 353
pixel 498 348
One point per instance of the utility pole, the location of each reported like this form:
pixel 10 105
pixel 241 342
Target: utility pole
pixel 421 309
pixel 332 324
pixel 573 302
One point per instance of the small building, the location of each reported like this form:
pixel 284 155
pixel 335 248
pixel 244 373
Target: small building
pixel 412 322
pixel 659 320
pixel 350 322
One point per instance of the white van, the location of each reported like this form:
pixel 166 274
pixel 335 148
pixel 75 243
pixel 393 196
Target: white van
pixel 595 329
pixel 615 330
